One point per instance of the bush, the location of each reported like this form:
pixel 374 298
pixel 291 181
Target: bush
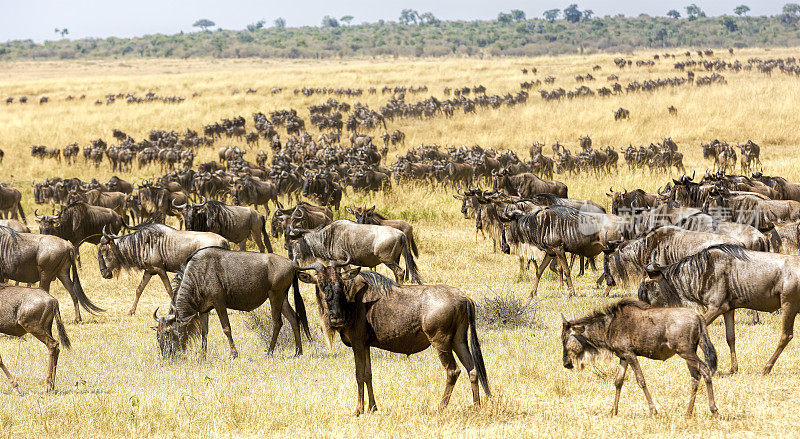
pixel 505 310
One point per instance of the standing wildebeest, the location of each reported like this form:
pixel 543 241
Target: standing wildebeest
pixel 372 311
pixel 368 244
pixel 15 225
pixel 220 279
pixel 32 311
pixel 155 249
pixel 10 203
pixel 526 185
pixel 234 223
pixel 30 258
pixel 724 277
pixel 116 201
pixel 249 191
pixel 308 216
pixel 369 216
pixel 79 222
pixel 629 329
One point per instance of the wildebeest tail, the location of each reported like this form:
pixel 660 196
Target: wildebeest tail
pixel 475 349
pixel 413 243
pixel 78 289
pixel 264 234
pixel 300 307
pixel 411 266
pixel 21 212
pixel 62 333
pixel 708 349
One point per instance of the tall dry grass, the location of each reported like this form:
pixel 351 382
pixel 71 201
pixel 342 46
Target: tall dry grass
pixel 113 384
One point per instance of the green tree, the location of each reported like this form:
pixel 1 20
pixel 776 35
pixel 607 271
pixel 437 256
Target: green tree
pixel 674 14
pixel 428 18
pixel 280 23
pixel 694 12
pixel 572 13
pixel 328 21
pixel 518 15
pixel 729 24
pixel 791 14
pixel 346 19
pixel 587 14
pixel 504 18
pixel 551 14
pixel 408 16
pixel 741 10
pixel 252 27
pixel 204 23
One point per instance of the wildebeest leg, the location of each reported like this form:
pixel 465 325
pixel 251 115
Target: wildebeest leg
pixel 461 349
pixel 372 407
pixel 618 381
pixel 562 259
pixel 145 279
pixel 637 370
pixel 452 370
pixel 755 316
pixel 165 279
pixel 68 285
pixel 730 337
pixel 789 311
pixel 43 334
pixel 256 235
pixel 399 273
pixel 11 380
pixel 277 323
pixel 363 374
pixel 203 335
pixel 222 313
pixel 543 266
pixel 291 316
pixel 242 246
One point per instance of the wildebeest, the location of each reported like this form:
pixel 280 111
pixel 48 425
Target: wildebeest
pixel 724 277
pixel 156 249
pixel 10 203
pixel 79 222
pixel 369 310
pixel 32 311
pixel 15 225
pixel 251 192
pixel 630 329
pixel 220 279
pixel 30 258
pixel 369 216
pixel 308 216
pixel 116 201
pixel 526 185
pixel 369 246
pixel 234 223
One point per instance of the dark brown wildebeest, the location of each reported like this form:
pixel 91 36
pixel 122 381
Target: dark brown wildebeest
pixel 79 222
pixel 249 191
pixel 369 216
pixel 621 113
pixel 30 258
pixel 672 110
pixel 526 185
pixel 234 223
pixel 630 329
pixel 724 277
pixel 752 209
pixel 631 202
pixel 116 201
pixel 220 279
pixel 370 310
pixel 32 311
pixel 309 216
pixel 155 249
pixel 10 203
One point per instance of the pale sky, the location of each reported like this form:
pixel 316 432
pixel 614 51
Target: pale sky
pixel 36 19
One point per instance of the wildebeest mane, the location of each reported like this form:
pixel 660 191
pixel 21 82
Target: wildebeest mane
pixel 611 310
pixel 9 249
pixel 377 281
pixel 136 247
pixel 218 217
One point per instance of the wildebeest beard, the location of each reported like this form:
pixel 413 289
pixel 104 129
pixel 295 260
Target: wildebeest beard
pixel 183 324
pixel 9 250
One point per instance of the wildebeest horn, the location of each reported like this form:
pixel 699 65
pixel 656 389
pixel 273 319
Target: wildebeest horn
pixel 178 206
pixel 563 319
pixel 36 214
pixel 342 264
pixel 106 235
pixel 155 314
pixel 316 266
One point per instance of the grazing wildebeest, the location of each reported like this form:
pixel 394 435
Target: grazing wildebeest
pixel 369 216
pixel 370 310
pixel 156 249
pixel 220 279
pixel 10 203
pixel 724 277
pixel 630 329
pixel 30 258
pixel 79 222
pixel 369 246
pixel 32 311
pixel 234 223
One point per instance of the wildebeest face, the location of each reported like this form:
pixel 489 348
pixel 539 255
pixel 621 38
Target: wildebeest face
pixel 48 224
pixel 654 291
pixel 172 336
pixel 107 258
pixel 576 349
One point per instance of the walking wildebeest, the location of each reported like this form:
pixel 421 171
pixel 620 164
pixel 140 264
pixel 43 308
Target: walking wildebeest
pixel 30 258
pixel 724 277
pixel 234 223
pixel 155 249
pixel 370 310
pixel 32 311
pixel 631 328
pixel 221 279
pixel 368 245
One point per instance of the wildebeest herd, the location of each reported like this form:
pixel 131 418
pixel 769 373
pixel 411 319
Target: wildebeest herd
pixel 711 243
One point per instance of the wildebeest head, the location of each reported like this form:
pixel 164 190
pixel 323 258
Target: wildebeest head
pixel 48 224
pixel 171 335
pixel 576 348
pixel 656 290
pixel 108 255
pixel 335 293
pixel 194 216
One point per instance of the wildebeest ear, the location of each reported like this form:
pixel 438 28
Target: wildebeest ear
pixel 348 210
pixel 578 329
pixel 306 278
pixel 653 271
pixel 350 274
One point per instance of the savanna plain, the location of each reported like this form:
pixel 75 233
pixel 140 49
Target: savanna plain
pixel 113 383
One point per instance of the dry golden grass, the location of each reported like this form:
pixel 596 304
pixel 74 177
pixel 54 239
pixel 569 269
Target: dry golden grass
pixel 113 384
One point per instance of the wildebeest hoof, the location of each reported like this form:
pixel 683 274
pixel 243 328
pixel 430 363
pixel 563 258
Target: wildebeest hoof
pixel 234 355
pixel 359 411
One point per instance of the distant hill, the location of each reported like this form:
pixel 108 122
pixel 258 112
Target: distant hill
pixel 502 37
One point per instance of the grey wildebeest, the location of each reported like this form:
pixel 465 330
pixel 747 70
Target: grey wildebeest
pixel 15 225
pixel 369 246
pixel 220 279
pixel 249 191
pixel 10 203
pixel 725 277
pixel 630 329
pixel 30 258
pixel 156 249
pixel 369 216
pixel 526 185
pixel 370 310
pixel 79 222
pixel 234 223
pixel 32 311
